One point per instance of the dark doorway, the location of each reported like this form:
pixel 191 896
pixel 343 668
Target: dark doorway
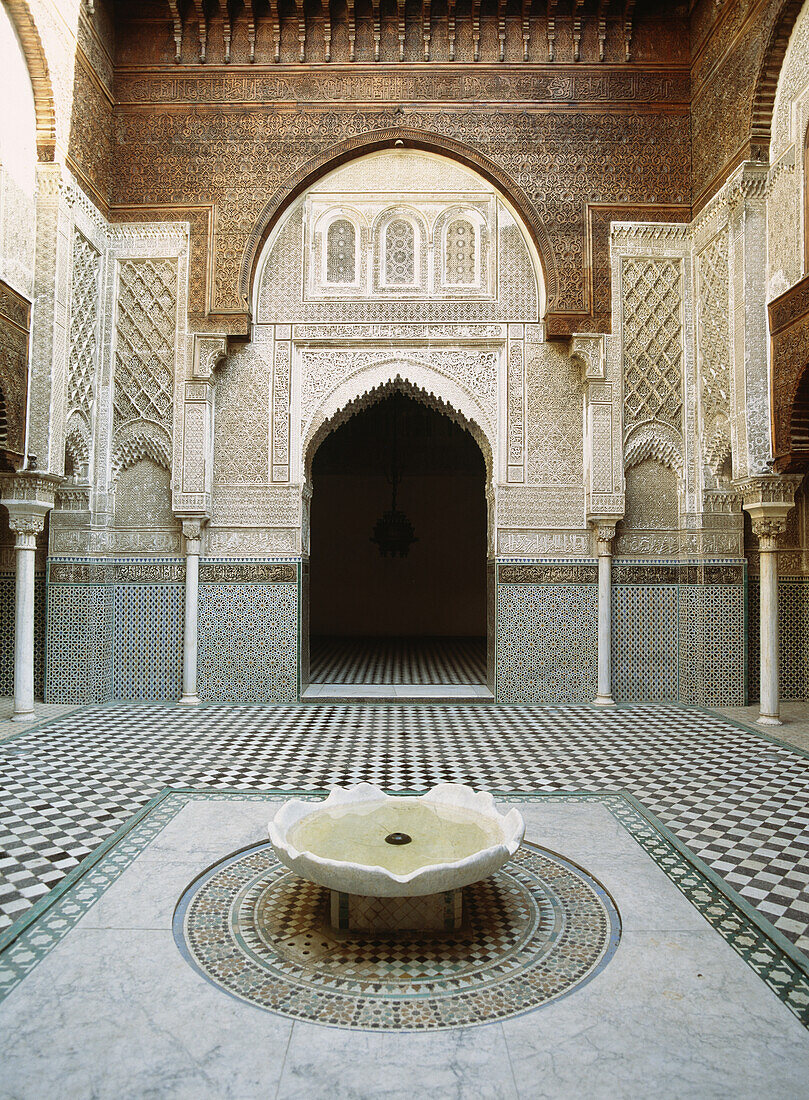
pixel 378 616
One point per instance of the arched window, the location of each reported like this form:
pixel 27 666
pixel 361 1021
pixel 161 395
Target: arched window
pixel 341 252
pixel 460 262
pixel 400 253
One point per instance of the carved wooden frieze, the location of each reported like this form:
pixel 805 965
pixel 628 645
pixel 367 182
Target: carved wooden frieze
pixel 15 320
pixel 548 573
pixel 633 154
pixel 248 572
pixel 789 332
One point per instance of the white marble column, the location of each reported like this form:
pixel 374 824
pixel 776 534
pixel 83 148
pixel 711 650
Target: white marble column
pixel 26 529
pixel 769 498
pixel 605 533
pixel 767 532
pixel 192 530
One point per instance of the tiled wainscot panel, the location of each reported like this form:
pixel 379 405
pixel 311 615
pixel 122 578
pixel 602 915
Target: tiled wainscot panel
pixel 7 600
pixel 793 606
pixel 712 644
pixel 547 632
pixel 249 632
pixel 78 667
pixel 148 640
pixel 645 647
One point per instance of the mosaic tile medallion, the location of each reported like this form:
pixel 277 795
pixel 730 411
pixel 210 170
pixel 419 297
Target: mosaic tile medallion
pixel 532 933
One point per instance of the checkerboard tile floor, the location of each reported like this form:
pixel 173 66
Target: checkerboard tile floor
pixel 397 660
pixel 739 801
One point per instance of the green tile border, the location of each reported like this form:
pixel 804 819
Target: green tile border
pixel 767 951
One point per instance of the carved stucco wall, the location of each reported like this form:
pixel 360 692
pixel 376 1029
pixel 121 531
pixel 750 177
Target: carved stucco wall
pixel 320 351
pixel 787 183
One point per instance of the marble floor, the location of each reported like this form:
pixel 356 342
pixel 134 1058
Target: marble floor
pixel 78 786
pixel 399 661
pixel 696 999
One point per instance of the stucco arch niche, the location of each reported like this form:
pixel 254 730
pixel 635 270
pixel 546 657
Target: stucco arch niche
pixel 365 389
pixel 427 386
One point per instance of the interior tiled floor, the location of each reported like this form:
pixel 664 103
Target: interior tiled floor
pixel 397 660
pixel 738 799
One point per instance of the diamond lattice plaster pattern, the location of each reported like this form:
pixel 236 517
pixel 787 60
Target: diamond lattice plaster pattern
pixel 458 837
pixel 652 341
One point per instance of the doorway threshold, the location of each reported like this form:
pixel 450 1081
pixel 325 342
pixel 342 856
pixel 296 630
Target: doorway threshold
pixel 397 693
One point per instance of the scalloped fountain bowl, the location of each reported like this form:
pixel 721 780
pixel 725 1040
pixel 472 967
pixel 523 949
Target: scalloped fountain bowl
pixel 361 841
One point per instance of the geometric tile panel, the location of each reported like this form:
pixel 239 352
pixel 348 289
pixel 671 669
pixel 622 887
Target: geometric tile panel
pixel 547 643
pixel 7 600
pixel 793 607
pixel 793 647
pixel 248 642
pixel 711 640
pixel 79 646
pixel 148 641
pixel 645 643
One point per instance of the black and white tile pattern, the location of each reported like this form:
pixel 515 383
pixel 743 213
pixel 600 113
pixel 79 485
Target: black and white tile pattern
pixel 397 660
pixel 738 800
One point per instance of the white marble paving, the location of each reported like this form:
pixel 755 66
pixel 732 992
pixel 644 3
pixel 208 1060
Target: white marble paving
pixel 324 693
pixel 114 1011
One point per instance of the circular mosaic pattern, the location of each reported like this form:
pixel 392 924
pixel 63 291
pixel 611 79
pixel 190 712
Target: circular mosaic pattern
pixel 531 933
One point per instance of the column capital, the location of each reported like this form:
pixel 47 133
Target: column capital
pixel 768 530
pixel 604 529
pixel 192 531
pixel 768 493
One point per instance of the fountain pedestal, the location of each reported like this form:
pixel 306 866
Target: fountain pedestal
pixel 441 912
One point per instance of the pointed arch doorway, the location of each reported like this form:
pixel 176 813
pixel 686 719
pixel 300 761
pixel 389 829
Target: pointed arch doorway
pixel 397 604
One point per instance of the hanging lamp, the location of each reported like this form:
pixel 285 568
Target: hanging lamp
pixel 393 532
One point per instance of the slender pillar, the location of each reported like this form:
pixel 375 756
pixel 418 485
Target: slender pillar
pixel 604 534
pixel 192 529
pixel 25 548
pixel 769 498
pixel 767 531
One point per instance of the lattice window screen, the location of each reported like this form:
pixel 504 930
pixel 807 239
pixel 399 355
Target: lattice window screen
pixel 461 253
pixel 400 253
pixel 341 252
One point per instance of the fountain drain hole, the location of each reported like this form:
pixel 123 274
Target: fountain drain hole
pixel 398 838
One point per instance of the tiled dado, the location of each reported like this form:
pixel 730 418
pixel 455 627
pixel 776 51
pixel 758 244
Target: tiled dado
pixel 793 607
pixel 7 599
pixel 547 632
pixel 115 630
pixel 249 630
pixel 678 631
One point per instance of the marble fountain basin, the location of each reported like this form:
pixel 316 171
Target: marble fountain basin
pixel 352 841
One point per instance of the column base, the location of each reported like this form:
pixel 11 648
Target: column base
pixel 188 701
pixel 769 720
pixel 23 716
pixel 603 701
